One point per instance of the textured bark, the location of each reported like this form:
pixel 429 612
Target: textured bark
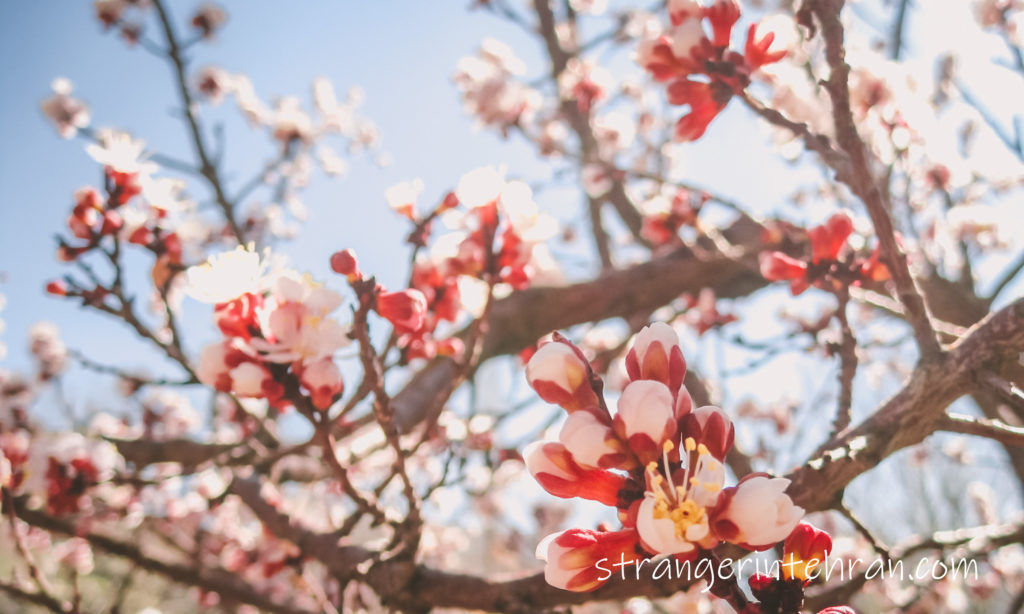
pixel 520 319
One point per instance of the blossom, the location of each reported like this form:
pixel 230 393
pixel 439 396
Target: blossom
pixel 208 18
pixel 686 50
pixel 757 513
pixel 645 417
pixel 675 519
pixel 405 310
pixel 656 355
pixel 480 187
pixel 323 381
pixel 777 266
pixel 573 557
pixel 294 323
pixel 560 375
pixel 804 549
pixel 289 123
pixel 489 89
pixel 402 197
pixel 591 442
pixel 828 239
pixel 121 154
pixel 68 114
pixel 555 469
pixel 658 461
pixel 584 82
pixel 49 350
pixel 229 275
pixel 109 11
pixel 829 265
pixel 213 82
pixel 344 263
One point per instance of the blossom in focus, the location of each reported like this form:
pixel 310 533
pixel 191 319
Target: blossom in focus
pixel 804 549
pixel 572 557
pixel 555 469
pixel 561 375
pixel 68 114
pixel 757 513
pixel 295 322
pixel 657 461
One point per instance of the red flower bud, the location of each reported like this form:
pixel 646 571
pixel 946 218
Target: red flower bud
pixel 345 263
pixel 555 469
pixel 57 288
pixel 580 560
pixel 804 549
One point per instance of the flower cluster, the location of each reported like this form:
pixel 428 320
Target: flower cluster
pixel 700 69
pixel 828 264
pixel 658 460
pixel 274 322
pixel 489 89
pixel 666 214
pixel 135 207
pixel 55 471
pixel 495 231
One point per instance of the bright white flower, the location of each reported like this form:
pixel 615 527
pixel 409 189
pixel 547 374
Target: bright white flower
pixel 164 193
pixel 228 275
pixel 525 217
pixel 646 408
pixel 673 518
pixel 480 186
pixel 120 153
pixel 402 196
pixel 586 438
pixel 761 511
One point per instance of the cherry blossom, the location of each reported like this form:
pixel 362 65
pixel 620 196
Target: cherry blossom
pixel 657 461
pixel 68 114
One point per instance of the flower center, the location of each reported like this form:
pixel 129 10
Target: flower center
pixel 678 503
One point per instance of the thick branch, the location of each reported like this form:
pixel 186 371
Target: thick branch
pixel 227 585
pixel 983 427
pixel 518 320
pixel 862 182
pixel 914 412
